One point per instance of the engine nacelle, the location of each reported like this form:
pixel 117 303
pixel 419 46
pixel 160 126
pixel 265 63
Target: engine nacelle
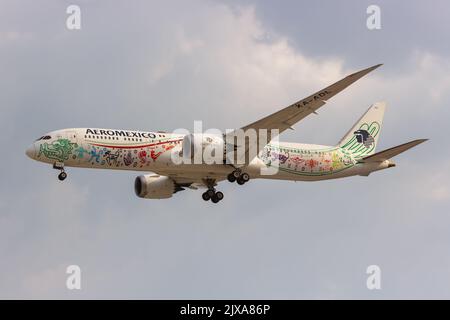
pixel 154 187
pixel 208 148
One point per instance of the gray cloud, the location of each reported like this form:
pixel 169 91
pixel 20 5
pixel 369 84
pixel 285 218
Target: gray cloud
pixel 160 66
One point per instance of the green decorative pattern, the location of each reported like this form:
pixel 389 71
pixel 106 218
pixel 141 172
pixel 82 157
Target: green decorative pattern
pixel 358 149
pixel 306 162
pixel 321 162
pixel 58 150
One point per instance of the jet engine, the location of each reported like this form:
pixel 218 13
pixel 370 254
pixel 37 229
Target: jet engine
pixel 155 187
pixel 205 148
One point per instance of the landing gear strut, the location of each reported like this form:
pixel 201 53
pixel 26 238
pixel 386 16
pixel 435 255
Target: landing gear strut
pixel 211 193
pixel 60 166
pixel 238 176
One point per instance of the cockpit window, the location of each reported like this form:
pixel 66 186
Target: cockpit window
pixel 44 138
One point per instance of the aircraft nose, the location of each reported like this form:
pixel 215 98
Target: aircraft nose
pixel 31 151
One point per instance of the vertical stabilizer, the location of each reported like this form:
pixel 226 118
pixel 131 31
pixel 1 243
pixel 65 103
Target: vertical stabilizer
pixel 362 138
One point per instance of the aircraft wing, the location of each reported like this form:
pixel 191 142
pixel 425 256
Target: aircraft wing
pixel 392 152
pixel 287 117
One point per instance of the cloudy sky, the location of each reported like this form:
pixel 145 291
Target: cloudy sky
pixel 161 65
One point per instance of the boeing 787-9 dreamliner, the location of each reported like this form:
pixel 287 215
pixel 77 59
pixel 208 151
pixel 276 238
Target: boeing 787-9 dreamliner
pixel 154 152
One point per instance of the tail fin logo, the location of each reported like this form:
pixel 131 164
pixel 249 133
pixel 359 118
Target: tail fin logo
pixel 364 137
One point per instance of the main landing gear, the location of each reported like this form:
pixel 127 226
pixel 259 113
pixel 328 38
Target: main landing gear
pixel 211 193
pixel 60 166
pixel 238 176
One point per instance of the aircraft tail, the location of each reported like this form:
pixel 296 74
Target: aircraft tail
pixel 361 140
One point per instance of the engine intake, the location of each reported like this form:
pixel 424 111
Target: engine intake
pixel 155 187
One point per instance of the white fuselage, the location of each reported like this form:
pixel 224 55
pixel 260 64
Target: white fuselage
pixel 152 151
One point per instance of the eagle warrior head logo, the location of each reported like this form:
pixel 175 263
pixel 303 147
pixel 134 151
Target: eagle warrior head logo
pixel 364 137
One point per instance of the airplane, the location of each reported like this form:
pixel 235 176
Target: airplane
pixel 153 152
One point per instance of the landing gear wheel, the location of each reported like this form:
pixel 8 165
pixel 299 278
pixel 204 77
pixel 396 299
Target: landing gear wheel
pixel 211 193
pixel 239 177
pixel 205 196
pixel 231 177
pixel 245 177
pixel 62 176
pixel 215 199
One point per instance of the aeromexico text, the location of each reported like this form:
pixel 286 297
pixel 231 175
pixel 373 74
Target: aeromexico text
pixel 121 133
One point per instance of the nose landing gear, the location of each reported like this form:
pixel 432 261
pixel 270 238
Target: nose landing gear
pixel 62 175
pixel 60 166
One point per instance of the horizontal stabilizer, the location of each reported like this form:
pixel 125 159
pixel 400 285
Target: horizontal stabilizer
pixel 391 152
